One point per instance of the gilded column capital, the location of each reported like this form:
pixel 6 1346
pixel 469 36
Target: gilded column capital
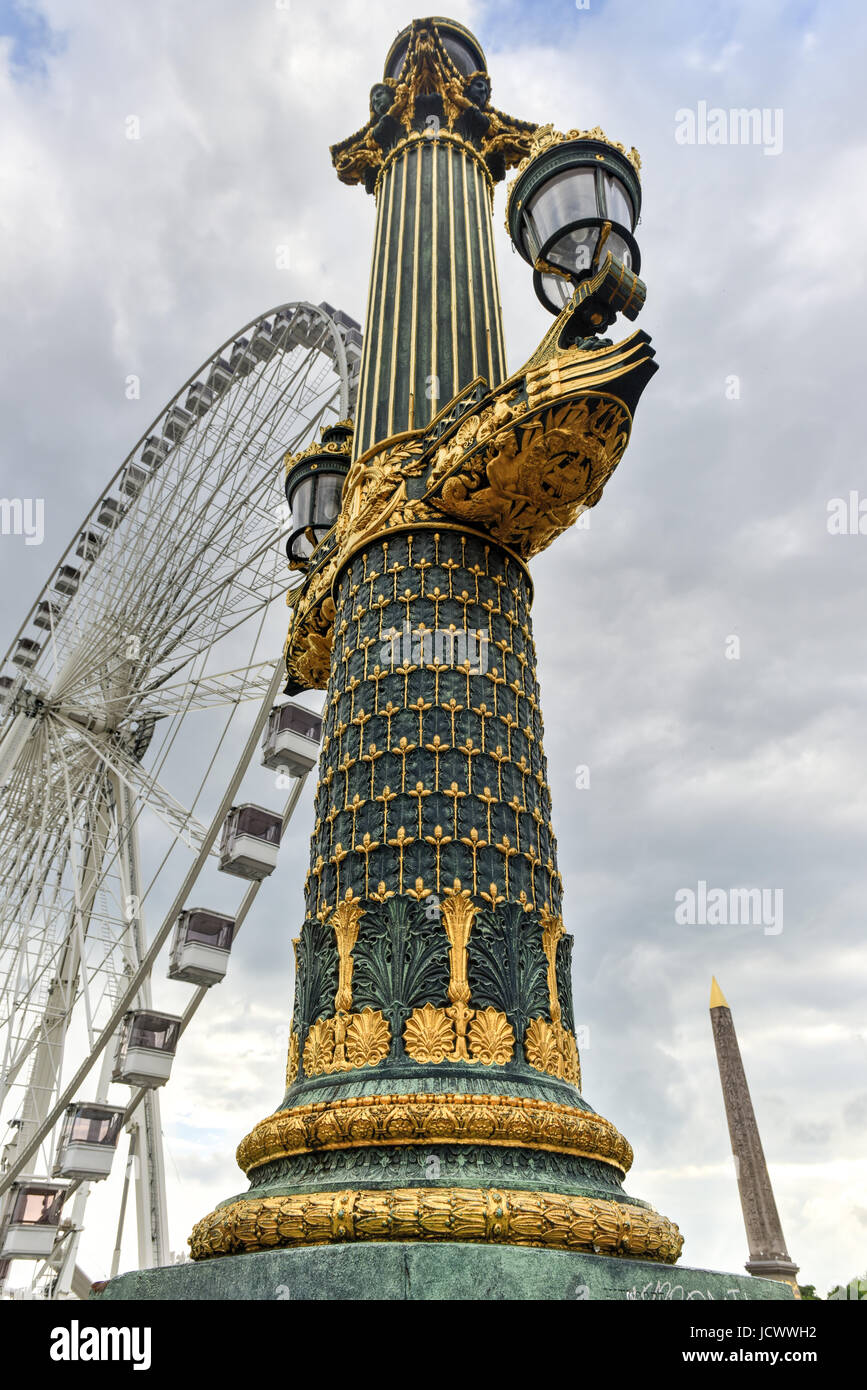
pixel 431 98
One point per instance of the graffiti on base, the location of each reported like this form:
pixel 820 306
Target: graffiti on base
pixel 666 1291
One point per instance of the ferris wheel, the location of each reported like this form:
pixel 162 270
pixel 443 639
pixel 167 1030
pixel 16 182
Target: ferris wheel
pixel 134 696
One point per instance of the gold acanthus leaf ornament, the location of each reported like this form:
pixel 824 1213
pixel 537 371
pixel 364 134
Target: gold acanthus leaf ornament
pixel 375 486
pixel 368 1038
pixel 500 1216
pixel 346 920
pixel 458 1033
pixel 551 1048
pixel 491 1037
pixel 445 1117
pixel 307 654
pixel 319 1047
pixel 346 1041
pixel 429 1035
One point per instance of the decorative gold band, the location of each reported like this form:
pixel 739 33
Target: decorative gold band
pixel 479 1215
pixel 440 523
pixel 372 1121
pixel 416 138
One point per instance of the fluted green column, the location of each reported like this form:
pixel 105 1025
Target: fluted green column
pixel 434 320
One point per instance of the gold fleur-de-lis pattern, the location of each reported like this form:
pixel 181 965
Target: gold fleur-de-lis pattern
pixel 432 761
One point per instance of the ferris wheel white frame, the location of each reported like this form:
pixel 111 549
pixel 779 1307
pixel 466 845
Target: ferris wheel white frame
pixel 103 713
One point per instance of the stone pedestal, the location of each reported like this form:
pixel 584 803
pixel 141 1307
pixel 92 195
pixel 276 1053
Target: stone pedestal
pixel 406 1271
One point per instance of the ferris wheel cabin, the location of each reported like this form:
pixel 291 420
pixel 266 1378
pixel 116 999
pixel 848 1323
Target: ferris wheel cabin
pixel 220 376
pixel 242 359
pixel 134 480
pixel 177 423
pixel 282 327
pixel 146 1049
pixel 88 1140
pixel 110 512
pixel 31 1219
pixel 200 398
pixel 48 614
pixel 26 654
pixel 201 946
pixel 262 343
pixel 154 451
pixel 306 328
pixel 251 841
pixel 90 543
pixel 67 580
pixel 292 737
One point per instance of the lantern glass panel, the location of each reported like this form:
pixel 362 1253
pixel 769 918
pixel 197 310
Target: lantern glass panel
pixel 302 548
pixel 301 503
pixel 573 251
pixel 618 205
pixel 558 290
pixel 618 248
pixel 567 197
pixel 328 500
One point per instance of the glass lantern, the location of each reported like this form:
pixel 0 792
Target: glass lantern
pixel 576 200
pixel 314 485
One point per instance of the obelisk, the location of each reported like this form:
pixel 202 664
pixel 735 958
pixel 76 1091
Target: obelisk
pixel 769 1258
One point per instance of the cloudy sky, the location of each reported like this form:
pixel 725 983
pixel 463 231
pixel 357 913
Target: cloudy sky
pixel 737 763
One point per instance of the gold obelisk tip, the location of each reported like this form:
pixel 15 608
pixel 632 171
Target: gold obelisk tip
pixel 717 998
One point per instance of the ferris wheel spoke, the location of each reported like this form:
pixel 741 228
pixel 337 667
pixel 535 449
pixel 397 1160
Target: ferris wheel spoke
pixel 26 848
pixel 226 474
pixel 181 821
pixel 208 692
pixel 192 639
pixel 226 489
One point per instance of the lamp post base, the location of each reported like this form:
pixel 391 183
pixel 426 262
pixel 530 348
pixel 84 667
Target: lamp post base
pixel 417 1271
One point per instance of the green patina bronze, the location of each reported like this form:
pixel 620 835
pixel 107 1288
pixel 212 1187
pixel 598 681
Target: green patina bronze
pixel 415 1272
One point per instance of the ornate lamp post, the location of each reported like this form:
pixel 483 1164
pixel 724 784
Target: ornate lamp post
pixel 433 1081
